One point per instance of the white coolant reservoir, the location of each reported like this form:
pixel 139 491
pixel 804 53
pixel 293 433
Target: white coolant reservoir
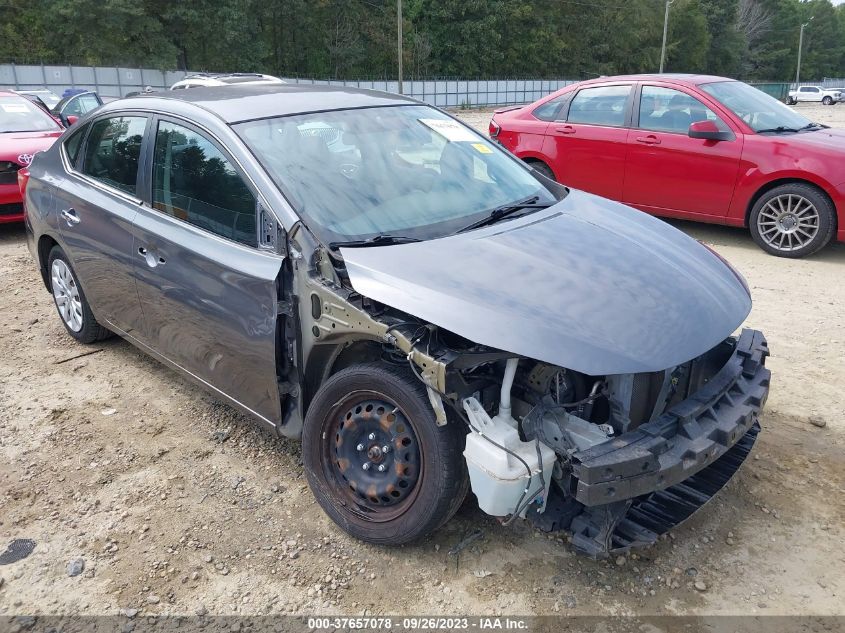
pixel 499 479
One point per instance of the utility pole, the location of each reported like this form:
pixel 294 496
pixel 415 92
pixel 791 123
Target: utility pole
pixel 399 39
pixel 665 31
pixel 800 46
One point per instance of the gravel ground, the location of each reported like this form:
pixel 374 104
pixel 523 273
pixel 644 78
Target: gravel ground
pixel 177 504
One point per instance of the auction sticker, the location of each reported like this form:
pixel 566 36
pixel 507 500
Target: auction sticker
pixel 481 148
pixel 14 107
pixel 450 130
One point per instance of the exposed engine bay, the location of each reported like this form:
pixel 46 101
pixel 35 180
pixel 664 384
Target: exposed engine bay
pixel 562 448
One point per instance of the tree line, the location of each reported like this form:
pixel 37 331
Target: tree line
pixel 751 39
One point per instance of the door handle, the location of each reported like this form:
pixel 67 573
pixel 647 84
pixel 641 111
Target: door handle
pixel 69 216
pixel 565 129
pixel 648 140
pixel 152 258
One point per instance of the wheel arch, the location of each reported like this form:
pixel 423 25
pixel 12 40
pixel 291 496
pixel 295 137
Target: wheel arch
pixel 326 360
pixel 46 243
pixel 772 184
pixel 531 160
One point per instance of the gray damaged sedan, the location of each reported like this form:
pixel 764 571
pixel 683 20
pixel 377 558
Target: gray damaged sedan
pixel 424 311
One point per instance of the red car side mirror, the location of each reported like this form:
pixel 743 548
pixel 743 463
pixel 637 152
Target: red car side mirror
pixel 71 119
pixel 709 131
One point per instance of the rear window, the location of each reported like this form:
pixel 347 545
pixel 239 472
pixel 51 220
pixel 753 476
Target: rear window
pixel 603 105
pixel 73 144
pixel 550 110
pixel 112 151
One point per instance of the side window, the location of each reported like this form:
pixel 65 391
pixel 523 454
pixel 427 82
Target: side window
pixel 112 150
pixel 195 182
pixel 604 105
pixel 82 105
pixel 73 144
pixel 669 110
pixel 550 110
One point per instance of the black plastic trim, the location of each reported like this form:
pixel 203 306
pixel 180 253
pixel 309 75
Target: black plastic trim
pixel 687 438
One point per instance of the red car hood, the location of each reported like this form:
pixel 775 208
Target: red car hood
pixel 14 144
pixel 830 139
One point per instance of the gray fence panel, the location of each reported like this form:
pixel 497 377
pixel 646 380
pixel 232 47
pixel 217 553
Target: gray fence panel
pixel 152 77
pixel 83 75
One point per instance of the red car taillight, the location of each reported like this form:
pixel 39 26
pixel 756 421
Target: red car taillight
pixel 494 129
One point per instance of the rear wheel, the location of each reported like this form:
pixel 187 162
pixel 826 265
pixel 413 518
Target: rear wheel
pixel 542 168
pixel 70 300
pixel 375 459
pixel 792 220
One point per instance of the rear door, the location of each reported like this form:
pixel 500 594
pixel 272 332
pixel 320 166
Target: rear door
pixel 669 173
pixel 809 93
pixel 97 201
pixel 207 291
pixel 586 145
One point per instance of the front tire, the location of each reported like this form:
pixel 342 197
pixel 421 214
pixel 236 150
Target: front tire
pixel 792 220
pixel 392 496
pixel 827 101
pixel 70 300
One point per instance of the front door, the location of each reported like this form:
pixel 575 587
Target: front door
pixel 587 148
pixel 668 172
pixel 96 206
pixel 208 293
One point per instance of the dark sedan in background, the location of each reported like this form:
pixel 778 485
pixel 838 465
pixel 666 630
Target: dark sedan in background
pixel 426 312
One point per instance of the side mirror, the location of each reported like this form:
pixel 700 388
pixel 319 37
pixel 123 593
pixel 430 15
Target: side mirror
pixel 71 119
pixel 708 131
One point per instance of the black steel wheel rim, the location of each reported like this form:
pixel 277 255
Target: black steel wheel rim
pixel 372 457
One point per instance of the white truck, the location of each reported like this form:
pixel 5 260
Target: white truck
pixel 814 93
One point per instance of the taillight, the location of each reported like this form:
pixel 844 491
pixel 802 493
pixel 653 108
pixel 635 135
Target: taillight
pixel 23 178
pixel 494 129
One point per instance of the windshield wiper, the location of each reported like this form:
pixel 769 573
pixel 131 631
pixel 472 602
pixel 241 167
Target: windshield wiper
pixel 500 212
pixel 813 125
pixel 779 129
pixel 382 239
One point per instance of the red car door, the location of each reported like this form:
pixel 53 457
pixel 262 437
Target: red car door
pixel 586 149
pixel 669 173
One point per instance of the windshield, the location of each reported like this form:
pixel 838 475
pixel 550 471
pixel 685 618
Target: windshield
pixel 18 114
pixel 755 107
pixel 404 170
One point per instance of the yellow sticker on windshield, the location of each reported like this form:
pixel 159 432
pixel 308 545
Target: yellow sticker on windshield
pixel 482 148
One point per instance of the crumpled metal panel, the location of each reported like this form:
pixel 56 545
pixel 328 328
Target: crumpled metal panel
pixel 588 284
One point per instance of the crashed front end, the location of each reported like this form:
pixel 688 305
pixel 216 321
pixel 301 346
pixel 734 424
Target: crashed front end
pixel 586 349
pixel 652 473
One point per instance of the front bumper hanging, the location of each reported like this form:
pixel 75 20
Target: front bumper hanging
pixel 628 491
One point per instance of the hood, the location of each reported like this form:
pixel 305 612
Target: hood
pixel 14 144
pixel 830 139
pixel 587 284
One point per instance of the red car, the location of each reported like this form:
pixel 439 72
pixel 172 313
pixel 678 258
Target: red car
pixel 693 147
pixel 25 129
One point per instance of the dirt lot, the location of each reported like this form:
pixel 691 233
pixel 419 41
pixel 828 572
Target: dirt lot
pixel 177 504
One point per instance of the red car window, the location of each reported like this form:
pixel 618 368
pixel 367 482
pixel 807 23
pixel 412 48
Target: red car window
pixel 603 105
pixel 670 110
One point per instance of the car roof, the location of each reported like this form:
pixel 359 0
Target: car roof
pixel 247 102
pixel 681 78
